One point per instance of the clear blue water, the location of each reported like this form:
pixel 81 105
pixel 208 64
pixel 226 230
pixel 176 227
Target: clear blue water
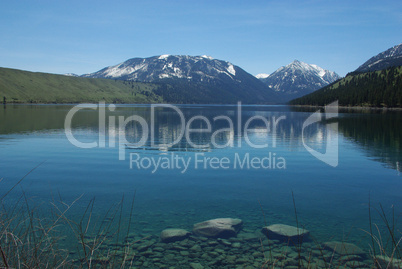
pixel 331 202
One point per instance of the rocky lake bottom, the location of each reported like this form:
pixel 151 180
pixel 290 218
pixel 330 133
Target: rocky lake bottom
pixel 226 243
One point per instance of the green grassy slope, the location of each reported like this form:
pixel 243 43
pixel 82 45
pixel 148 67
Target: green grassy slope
pixel 28 87
pixel 372 89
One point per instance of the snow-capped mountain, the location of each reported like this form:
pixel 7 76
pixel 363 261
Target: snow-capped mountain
pixel 297 79
pixel 262 76
pixel 198 68
pixel 385 59
pixel 196 75
pixel 71 75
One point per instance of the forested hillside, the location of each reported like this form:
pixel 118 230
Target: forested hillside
pixel 378 89
pixel 18 86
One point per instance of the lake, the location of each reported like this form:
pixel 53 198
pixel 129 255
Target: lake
pixel 250 162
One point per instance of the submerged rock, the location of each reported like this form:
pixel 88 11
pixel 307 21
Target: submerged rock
pixel 145 246
pixel 285 232
pixel 386 262
pixel 172 235
pixel 225 242
pixel 343 248
pixel 249 236
pixel 197 265
pixel 218 228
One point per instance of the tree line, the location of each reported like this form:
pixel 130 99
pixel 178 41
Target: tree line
pixel 375 89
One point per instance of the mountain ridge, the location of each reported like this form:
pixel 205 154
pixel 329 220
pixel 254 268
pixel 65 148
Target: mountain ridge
pixel 166 66
pixel 383 60
pixel 298 78
pixel 211 79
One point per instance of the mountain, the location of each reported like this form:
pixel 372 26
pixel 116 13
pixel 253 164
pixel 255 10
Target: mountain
pixel 371 89
pixel 262 76
pixel 298 79
pixel 18 86
pixel 195 68
pixel 71 75
pixel 386 59
pixel 376 83
pixel 192 79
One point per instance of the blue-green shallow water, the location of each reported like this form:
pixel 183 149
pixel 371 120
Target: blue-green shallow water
pixel 331 202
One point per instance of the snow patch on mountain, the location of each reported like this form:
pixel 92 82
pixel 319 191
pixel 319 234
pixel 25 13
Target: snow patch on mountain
pixel 231 69
pixel 121 70
pixel 164 56
pixel 161 76
pixel 262 75
pixel 207 57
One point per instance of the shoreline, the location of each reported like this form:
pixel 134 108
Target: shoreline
pixel 247 104
pixel 352 107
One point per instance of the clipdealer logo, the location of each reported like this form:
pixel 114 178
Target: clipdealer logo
pixel 331 155
pixel 201 161
pixel 117 137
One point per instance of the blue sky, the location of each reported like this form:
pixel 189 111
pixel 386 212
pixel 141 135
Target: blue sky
pixel 259 36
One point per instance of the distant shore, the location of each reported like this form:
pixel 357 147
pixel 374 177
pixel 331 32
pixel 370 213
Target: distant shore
pixel 145 103
pixel 353 107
